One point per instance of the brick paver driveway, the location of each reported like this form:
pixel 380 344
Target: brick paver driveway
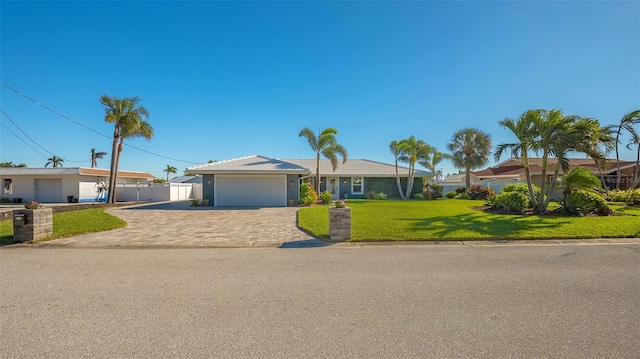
pixel 178 224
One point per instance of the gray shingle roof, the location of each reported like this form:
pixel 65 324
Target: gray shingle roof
pixel 262 164
pixel 249 164
pixel 69 171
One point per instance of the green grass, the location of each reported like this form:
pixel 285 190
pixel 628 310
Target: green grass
pixel 450 219
pixel 71 223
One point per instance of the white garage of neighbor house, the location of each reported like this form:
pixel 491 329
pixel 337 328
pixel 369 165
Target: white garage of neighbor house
pixel 259 181
pixel 58 185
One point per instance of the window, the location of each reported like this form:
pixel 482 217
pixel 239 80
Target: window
pixel 7 186
pixel 356 185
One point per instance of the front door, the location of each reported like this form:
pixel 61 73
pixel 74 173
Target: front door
pixel 332 187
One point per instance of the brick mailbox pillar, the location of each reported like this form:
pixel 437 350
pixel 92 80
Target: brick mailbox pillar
pixel 339 224
pixel 32 224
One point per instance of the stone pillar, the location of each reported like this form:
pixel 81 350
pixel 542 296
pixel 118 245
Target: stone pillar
pixel 32 224
pixel 339 224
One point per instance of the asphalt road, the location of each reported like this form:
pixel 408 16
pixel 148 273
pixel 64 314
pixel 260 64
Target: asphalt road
pixel 391 302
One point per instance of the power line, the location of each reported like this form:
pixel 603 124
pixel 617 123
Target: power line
pixel 92 130
pixel 32 140
pixel 25 142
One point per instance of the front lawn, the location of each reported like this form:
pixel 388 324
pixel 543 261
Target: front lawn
pixel 455 219
pixel 71 223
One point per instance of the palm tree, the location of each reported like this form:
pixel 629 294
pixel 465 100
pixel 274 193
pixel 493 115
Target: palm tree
pixel 596 142
pixel 127 116
pixel 470 148
pixel 395 149
pixel 96 156
pixel 170 169
pixel 435 159
pixel 635 141
pixel 523 129
pixel 413 151
pixel 324 144
pixel 626 124
pixel 55 161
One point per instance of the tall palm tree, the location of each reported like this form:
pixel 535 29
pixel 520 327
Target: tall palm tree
pixel 170 169
pixel 470 149
pixel 55 161
pixel 96 156
pixel 522 128
pixel 395 149
pixel 413 151
pixel 324 144
pixel 635 141
pixel 127 116
pixel 626 124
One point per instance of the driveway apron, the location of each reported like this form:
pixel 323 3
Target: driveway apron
pixel 177 224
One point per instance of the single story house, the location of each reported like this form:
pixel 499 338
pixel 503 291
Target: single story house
pixel 59 184
pixel 512 170
pixel 263 181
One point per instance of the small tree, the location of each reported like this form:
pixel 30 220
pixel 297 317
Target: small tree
pixel 168 170
pixel 55 161
pixel 324 144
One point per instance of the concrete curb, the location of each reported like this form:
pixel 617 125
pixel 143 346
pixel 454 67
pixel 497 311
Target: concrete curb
pixel 316 243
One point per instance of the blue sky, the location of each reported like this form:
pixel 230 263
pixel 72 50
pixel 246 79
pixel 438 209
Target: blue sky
pixel 229 79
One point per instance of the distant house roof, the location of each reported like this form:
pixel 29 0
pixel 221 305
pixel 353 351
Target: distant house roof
pixel 69 171
pixel 257 164
pixel 513 166
pixel 187 179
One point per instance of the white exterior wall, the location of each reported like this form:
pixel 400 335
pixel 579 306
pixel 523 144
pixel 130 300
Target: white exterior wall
pixel 155 192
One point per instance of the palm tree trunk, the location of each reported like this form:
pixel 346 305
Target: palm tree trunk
pixel 527 174
pixel 543 185
pixel 410 181
pixel 114 160
pixel 552 185
pixel 398 180
pixel 618 156
pixel 318 173
pixel 115 179
pixel 636 180
pixel 467 176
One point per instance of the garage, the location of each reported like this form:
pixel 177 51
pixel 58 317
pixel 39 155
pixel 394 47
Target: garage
pixel 250 191
pixel 48 190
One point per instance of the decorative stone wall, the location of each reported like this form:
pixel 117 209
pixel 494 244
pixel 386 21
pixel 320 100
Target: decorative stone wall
pixel 38 223
pixel 339 224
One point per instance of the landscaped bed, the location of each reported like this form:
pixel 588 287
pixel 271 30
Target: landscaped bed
pixel 71 223
pixel 451 219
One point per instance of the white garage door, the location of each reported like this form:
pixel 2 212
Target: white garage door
pixel 258 191
pixel 49 190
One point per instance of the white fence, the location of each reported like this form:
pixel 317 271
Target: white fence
pixel 158 192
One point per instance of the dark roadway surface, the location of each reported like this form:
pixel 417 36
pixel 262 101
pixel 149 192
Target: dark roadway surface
pixel 571 301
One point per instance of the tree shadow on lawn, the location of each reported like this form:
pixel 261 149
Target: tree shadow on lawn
pixel 488 226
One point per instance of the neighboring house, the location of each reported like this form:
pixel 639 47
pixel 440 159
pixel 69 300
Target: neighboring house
pixel 56 185
pixel 262 181
pixel 512 170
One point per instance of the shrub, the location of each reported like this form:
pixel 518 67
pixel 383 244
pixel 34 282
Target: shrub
pixel 307 194
pixel 341 204
pixel 522 188
pixel 461 190
pixel 515 201
pixel 194 202
pixel 5 200
pixel 432 191
pixel 450 194
pixel 380 195
pixel 418 196
pixel 325 197
pixel 584 202
pixel 370 195
pixel 627 196
pixel 464 195
pixel 479 192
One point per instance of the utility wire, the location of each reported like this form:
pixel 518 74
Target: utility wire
pixel 25 142
pixel 34 141
pixel 90 129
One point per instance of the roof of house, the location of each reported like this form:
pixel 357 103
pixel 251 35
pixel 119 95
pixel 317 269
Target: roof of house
pixel 187 179
pixel 257 164
pixel 514 167
pixel 70 171
pixel 357 167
